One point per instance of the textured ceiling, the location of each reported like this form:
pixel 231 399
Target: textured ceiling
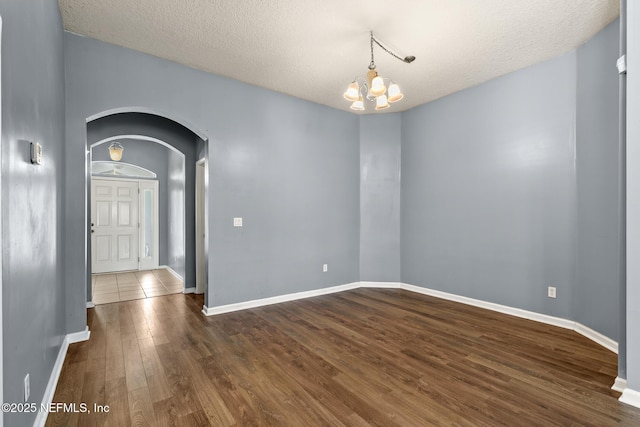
pixel 313 49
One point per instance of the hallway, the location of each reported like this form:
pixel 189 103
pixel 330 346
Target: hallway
pixel 132 285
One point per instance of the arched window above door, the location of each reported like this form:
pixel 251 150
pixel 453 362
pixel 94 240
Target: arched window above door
pixel 119 169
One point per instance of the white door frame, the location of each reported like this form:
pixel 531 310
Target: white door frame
pixel 1 196
pixel 201 228
pixel 142 184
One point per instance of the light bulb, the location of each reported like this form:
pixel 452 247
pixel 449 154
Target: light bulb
pixel 358 105
pixel 394 93
pixel 381 102
pixel 352 93
pixel 377 86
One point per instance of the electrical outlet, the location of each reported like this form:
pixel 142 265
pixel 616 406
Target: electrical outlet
pixel 27 388
pixel 237 222
pixel 551 292
pixel 325 268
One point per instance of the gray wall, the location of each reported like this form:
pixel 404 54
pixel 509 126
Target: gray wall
pixel 287 166
pixel 489 190
pixel 380 197
pixel 180 171
pixel 33 289
pixel 154 157
pixel 512 186
pixel 597 288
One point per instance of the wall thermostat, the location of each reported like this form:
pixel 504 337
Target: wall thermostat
pixel 36 153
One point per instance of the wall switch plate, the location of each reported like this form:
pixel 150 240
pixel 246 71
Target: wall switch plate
pixel 237 222
pixel 325 268
pixel 27 388
pixel 551 292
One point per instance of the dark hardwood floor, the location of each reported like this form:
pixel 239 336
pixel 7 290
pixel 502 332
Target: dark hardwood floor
pixel 362 357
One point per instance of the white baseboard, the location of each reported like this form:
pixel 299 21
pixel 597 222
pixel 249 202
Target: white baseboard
pixel 630 397
pixel 382 285
pixel 228 308
pixel 90 304
pixel 55 373
pixel 189 291
pixel 78 336
pixel 525 314
pixel 172 271
pixel 595 336
pixel 619 384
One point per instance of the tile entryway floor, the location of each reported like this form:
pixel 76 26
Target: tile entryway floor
pixel 126 286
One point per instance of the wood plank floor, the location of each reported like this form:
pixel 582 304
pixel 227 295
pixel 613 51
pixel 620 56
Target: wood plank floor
pixel 361 357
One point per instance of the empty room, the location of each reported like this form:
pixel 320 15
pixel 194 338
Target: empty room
pixel 322 213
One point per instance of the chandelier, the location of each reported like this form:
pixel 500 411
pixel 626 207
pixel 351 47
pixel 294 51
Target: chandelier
pixel 373 87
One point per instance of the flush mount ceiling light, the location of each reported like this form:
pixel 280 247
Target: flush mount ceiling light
pixel 115 151
pixel 373 87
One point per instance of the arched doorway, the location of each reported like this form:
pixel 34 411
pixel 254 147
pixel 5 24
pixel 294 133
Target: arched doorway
pixel 179 211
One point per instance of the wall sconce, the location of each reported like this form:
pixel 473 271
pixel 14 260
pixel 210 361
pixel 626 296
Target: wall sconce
pixel 115 151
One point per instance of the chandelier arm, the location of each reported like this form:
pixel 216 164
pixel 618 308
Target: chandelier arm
pixel 363 88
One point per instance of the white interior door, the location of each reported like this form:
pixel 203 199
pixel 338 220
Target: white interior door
pixel 114 225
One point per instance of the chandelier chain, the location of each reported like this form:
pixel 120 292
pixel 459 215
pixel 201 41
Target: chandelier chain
pixel 373 39
pixel 372 64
